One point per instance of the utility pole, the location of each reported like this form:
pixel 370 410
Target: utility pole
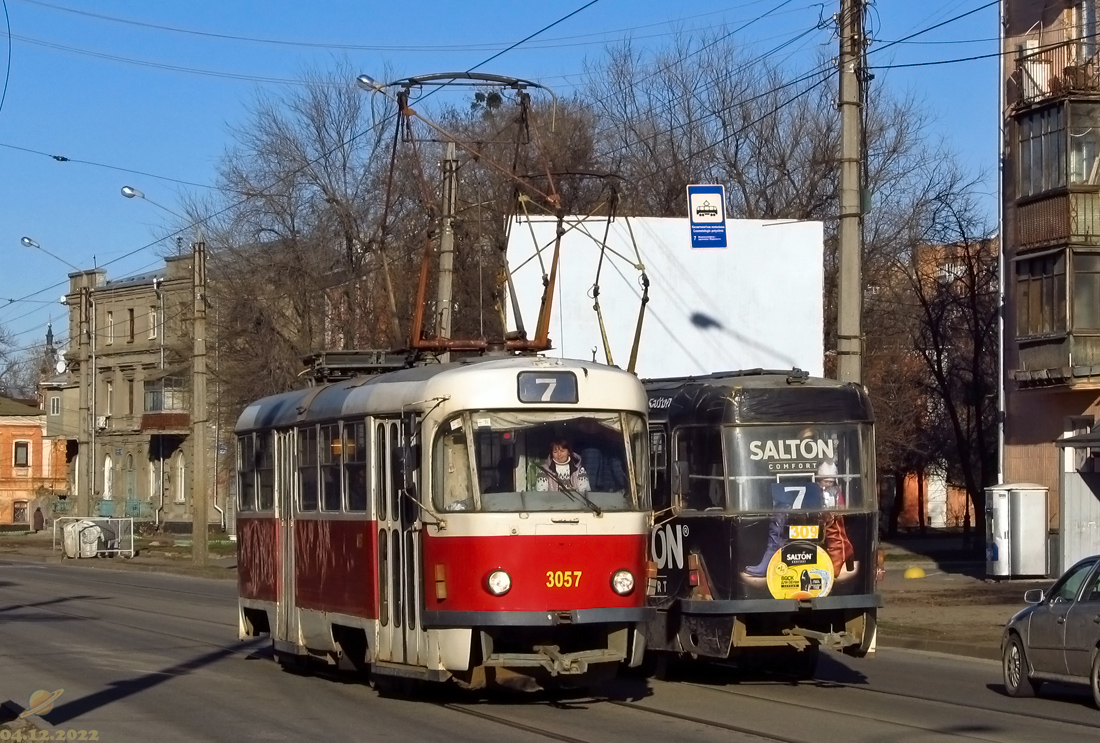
pixel 199 528
pixel 93 386
pixel 849 334
pixel 447 246
pixel 87 422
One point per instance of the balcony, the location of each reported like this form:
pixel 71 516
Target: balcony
pixel 1069 217
pixel 1065 361
pixel 166 406
pixel 1054 71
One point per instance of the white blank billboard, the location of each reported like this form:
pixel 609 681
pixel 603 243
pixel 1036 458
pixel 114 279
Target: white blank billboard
pixel 756 303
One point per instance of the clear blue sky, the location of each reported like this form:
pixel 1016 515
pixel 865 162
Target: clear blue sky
pixel 139 96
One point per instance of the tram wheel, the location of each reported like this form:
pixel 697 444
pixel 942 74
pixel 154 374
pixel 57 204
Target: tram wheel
pixel 654 665
pixel 803 663
pixel 292 663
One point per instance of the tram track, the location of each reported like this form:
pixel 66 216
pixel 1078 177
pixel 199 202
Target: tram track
pixel 873 718
pixel 515 725
pixel 962 705
pixel 709 723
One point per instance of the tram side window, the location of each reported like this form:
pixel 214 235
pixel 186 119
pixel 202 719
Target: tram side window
pixel 330 467
pixel 265 470
pixel 396 465
pixel 307 469
pixel 658 457
pixel 383 578
pixel 246 474
pixel 380 471
pixel 698 477
pixel 355 467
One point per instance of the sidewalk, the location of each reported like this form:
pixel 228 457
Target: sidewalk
pixel 953 609
pixel 166 553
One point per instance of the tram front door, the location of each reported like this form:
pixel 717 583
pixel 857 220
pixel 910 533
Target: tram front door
pixel 286 619
pixel 401 638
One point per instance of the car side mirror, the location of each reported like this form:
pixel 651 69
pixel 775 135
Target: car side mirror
pixel 1034 596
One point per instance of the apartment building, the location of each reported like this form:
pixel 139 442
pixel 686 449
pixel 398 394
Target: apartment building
pixel 126 391
pixel 1051 237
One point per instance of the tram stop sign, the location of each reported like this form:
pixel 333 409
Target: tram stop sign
pixel 707 216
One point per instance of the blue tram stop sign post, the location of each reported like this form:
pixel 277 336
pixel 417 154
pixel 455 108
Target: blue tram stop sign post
pixel 707 216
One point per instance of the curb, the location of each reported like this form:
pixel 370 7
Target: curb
pixel 134 564
pixel 982 652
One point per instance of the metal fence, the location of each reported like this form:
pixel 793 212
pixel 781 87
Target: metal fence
pixel 93 536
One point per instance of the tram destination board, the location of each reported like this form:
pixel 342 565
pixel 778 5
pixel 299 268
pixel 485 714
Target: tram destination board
pixel 548 386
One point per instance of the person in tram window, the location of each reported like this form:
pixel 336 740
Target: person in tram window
pixel 831 494
pixel 563 466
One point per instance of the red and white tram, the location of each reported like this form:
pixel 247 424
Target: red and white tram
pixel 411 523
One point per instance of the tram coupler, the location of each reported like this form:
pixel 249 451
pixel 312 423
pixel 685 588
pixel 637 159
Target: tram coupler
pixel 831 640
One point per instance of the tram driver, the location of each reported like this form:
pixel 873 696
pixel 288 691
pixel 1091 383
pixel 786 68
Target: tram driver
pixel 562 467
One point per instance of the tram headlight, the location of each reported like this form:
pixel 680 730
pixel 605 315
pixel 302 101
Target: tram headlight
pixel 498 583
pixel 622 582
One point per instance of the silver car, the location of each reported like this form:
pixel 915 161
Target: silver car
pixel 1057 638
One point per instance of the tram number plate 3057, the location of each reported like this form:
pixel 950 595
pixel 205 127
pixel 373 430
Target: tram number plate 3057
pixel 563 578
pixel 806 532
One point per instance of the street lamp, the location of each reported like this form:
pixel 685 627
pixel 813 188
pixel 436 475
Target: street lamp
pixel 200 533
pixel 87 374
pixel 29 243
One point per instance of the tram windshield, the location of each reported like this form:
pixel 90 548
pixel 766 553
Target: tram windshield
pixel 540 461
pixel 793 467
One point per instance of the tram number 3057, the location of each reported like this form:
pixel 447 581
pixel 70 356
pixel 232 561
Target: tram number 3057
pixel 563 578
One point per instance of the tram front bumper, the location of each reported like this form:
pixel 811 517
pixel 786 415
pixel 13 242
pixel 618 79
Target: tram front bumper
pixel 553 660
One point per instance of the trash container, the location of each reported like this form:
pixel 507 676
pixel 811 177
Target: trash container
pixel 1016 530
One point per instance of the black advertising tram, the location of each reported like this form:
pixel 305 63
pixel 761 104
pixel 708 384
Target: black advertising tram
pixel 766 519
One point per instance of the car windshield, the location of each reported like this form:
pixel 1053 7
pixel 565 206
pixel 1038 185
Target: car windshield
pixel 540 461
pixel 799 467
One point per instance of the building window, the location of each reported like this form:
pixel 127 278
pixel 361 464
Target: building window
pixel 169 393
pixel 1086 291
pixel 19 512
pixel 110 328
pixel 129 397
pixel 154 322
pixel 1041 295
pixel 22 454
pixel 130 324
pixel 55 404
pixel 1042 151
pixel 131 482
pixel 1084 144
pixel 1085 28
pixel 109 398
pixel 181 478
pixel 108 478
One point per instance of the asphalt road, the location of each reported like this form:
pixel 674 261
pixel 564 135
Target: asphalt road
pixel 154 657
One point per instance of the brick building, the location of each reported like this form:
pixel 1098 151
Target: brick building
pixel 31 464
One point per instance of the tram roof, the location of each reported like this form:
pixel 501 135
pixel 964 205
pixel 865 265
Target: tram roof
pixel 406 390
pixel 756 396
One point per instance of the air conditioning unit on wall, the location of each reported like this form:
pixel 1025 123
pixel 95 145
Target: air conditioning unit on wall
pixel 101 422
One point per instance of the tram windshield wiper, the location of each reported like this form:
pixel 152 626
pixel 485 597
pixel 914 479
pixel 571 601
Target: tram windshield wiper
pixel 572 492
